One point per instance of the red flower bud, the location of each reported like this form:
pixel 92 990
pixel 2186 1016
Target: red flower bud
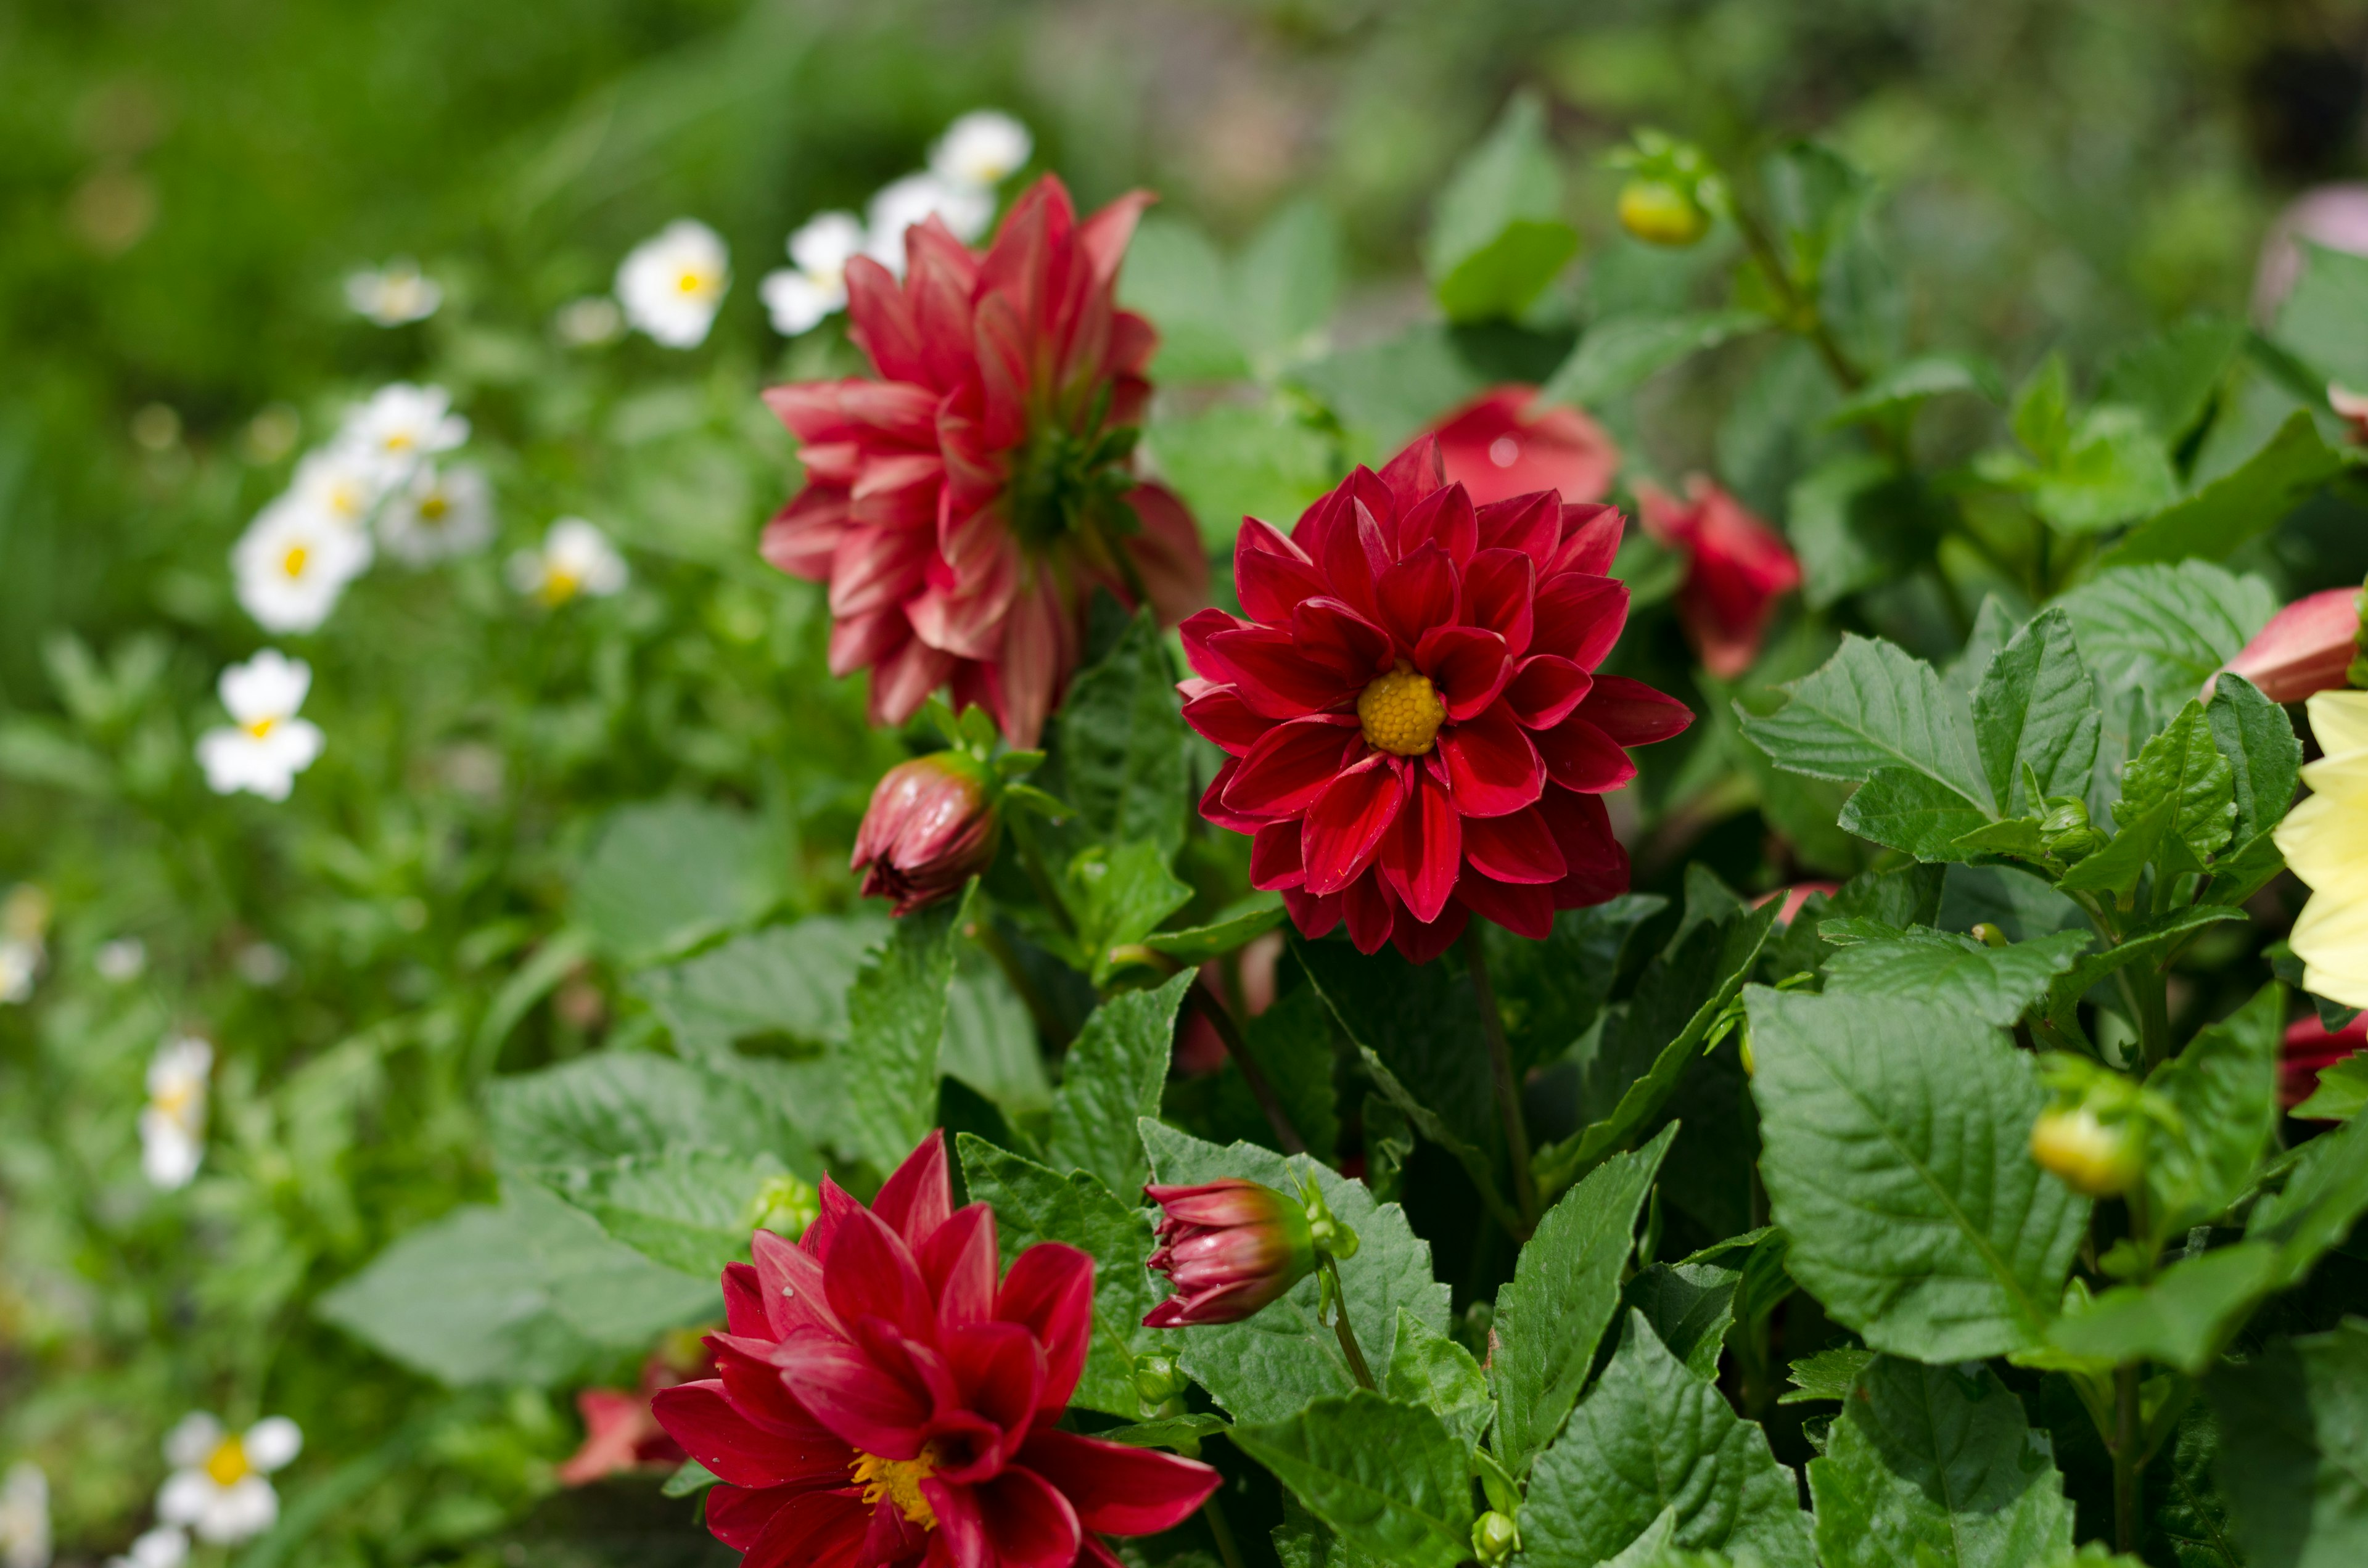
pixel 1499 446
pixel 1229 1247
pixel 2306 648
pixel 930 827
pixel 1739 567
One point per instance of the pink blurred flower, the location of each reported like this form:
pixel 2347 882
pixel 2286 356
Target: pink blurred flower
pixel 2307 647
pixel 619 1431
pixel 2334 216
pixel 1496 447
pixel 1794 897
pixel 930 827
pixel 1737 568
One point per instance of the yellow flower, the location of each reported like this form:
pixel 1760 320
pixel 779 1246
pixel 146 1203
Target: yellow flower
pixel 2325 840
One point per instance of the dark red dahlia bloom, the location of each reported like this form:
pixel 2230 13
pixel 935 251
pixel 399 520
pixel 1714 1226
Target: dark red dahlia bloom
pixel 884 1400
pixel 1738 567
pixel 964 506
pixel 1500 444
pixel 1417 732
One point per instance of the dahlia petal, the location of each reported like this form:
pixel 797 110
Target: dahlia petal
pixel 802 537
pixel 1516 847
pixel 1118 1489
pixel 1633 713
pixel 1291 765
pixel 813 1530
pixel 919 1196
pixel 1219 716
pixel 698 1416
pixel 874 567
pixel 1271 573
pixel 1580 616
pixel 876 1391
pixel 737 1516
pixel 1212 801
pixel 1355 552
pixel 1545 690
pixel 1598 862
pixel 1418 942
pixel 812 411
pixel 1314 916
pixel 753 1386
pixel 1026 680
pixel 1103 237
pixel 999 1369
pixel 1498 588
pixel 1049 1290
pixel 897 490
pixel 1029 1522
pixel 1346 646
pixel 900 411
pixel 1422 852
pixel 1590 538
pixel 1415 473
pixel 1491 764
pixel 1365 904
pixel 1524 910
pixel 744 1302
pixel 881 321
pixel 1530 524
pixel 1346 825
pixel 790 1275
pixel 860 641
pixel 1167 553
pixel 960 1532
pixel 1443 518
pixel 1418 592
pixel 1581 758
pixel 1275 861
pixel 834 1204
pixel 1195 631
pixel 1276 679
pixel 958 1265
pixel 903 681
pixel 869 1272
pixel 1467 665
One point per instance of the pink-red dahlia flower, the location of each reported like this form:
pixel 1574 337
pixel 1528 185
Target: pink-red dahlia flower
pixel 2307 647
pixel 964 506
pixel 1498 447
pixel 1415 727
pixel 1229 1247
pixel 930 827
pixel 1738 567
pixel 884 1400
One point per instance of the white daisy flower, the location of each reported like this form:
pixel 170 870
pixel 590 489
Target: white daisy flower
pixel 173 1124
pixel 120 961
pixel 589 322
pixel 671 283
pixel 25 1517
pixel 341 481
pixel 898 204
pixel 982 149
pixel 293 562
pixel 166 1546
pixel 218 1487
pixel 439 513
pixel 401 426
pixel 799 297
pixel 575 557
pixel 268 746
pixel 394 295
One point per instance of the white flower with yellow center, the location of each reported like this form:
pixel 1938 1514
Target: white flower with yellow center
pixel 671 283
pixel 2325 840
pixel 173 1124
pixel 166 1546
pixel 400 428
pixel 981 150
pixel 293 562
pixel 218 1488
pixel 394 295
pixel 342 482
pixel 440 513
pixel 266 745
pixel 799 297
pixel 965 209
pixel 575 557
pixel 25 1517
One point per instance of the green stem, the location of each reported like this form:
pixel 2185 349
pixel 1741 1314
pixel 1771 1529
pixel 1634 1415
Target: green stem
pixel 1344 1330
pixel 2128 1458
pixel 1262 1090
pixel 1803 315
pixel 1500 1072
pixel 1227 1547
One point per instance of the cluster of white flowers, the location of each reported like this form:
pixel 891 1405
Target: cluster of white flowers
pixel 978 152
pixel 25 1517
pixel 394 295
pixel 173 1125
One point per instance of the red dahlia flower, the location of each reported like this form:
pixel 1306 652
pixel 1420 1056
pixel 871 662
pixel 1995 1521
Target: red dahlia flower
pixel 963 506
pixel 882 1399
pixel 1498 447
pixel 1417 732
pixel 1738 567
pixel 2309 1049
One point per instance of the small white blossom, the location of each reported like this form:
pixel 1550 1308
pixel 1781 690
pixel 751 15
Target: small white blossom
pixel 218 1488
pixel 671 283
pixel 120 961
pixel 342 482
pixel 267 745
pixel 440 513
pixel 982 149
pixel 966 210
pixel 166 1546
pixel 401 426
pixel 24 925
pixel 262 963
pixel 293 563
pixel 575 557
pixel 590 322
pixel 20 965
pixel 799 297
pixel 25 1517
pixel 173 1124
pixel 394 295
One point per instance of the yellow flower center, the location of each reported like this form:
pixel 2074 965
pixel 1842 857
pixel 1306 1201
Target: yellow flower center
pixel 260 728
pixel 899 1481
pixel 174 1102
pixel 228 1463
pixel 559 585
pixel 293 562
pixel 398 440
pixel 690 282
pixel 433 507
pixel 1400 713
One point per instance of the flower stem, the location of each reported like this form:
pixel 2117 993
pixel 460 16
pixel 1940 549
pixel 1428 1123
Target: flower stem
pixel 1227 1547
pixel 2127 1458
pixel 1345 1329
pixel 1262 1090
pixel 1500 1070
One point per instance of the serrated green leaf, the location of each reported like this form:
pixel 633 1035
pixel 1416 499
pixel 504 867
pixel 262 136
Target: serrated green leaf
pixel 1500 280
pixel 2143 944
pixel 1238 459
pixel 1914 813
pixel 2263 752
pixel 2342 1092
pixel 2188 1522
pixel 2224 1086
pixel 1994 985
pixel 1911 382
pixel 781 991
pixel 1937 1467
pixel 1650 1435
pixel 1875 706
pixel 1120 751
pixel 2172 376
pixel 2165 629
pixel 1431 1370
pixel 2294 1461
pixel 2117 866
pixel 2182 1318
pixel 2324 1197
pixel 1181 1433
pixel 1619 353
pixel 1855 521
pixel 1113 1079
pixel 1387 1477
pixel 1118 895
pixel 689 1478
pixel 1689 1306
pixel 1893 1152
pixel 1510 174
pixel 1828 1374
pixel 662 875
pixel 2112 468
pixel 2183 766
pixel 623 1104
pixel 895 1017
pixel 1254 916
pixel 2036 708
pixel 1549 993
pixel 2293 466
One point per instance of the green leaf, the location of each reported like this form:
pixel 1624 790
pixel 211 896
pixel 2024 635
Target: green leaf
pixel 990 1041
pixel 2224 1087
pixel 1856 521
pixel 1181 1433
pixel 1286 280
pixel 621 1104
pixel 2037 708
pixel 1994 985
pixel 2166 628
pixel 2143 944
pixel 1388 1477
pixel 1176 277
pixel 1511 176
pixel 1118 895
pixel 1272 1365
pixel 1120 754
pixel 2182 765
pixel 2117 866
pixel 2294 1457
pixel 2325 319
pixel 1911 382
pixel 2182 1318
pixel 1828 1374
pixel 2042 415
pixel 1875 706
pixel 1431 1370
pixel 2293 466
pixel 1658 1547
pixel 2113 468
pixel 1689 1306
pixel 689 1478
pixel 1236 928
pixel 1619 353
pixel 1382 393
pixel 2342 1092
pixel 1549 993
pixel 1292 1042
pixel 689 1209
pixel 897 1015
pixel 781 991
pixel 1113 1078
pixel 1936 1467
pixel 2263 752
pixel 662 876
pixel 1035 1204
pixel 1564 1286
pixel 1498 281
pixel 2188 1518
pixel 2172 376
pixel 1243 459
pixel 1914 813
pixel 2323 1198
pixel 1651 1436
pixel 1893 1152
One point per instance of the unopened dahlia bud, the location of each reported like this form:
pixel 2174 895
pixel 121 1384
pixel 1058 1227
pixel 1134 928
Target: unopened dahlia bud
pixel 930 827
pixel 1661 214
pixel 2306 648
pixel 2091 1157
pixel 1228 1247
pixel 1158 1380
pixel 2064 832
pixel 1494 1536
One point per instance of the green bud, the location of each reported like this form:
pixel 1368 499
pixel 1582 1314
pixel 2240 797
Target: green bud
pixel 1158 1380
pixel 1662 212
pixel 1988 935
pixel 1330 1234
pixel 1494 1536
pixel 784 1205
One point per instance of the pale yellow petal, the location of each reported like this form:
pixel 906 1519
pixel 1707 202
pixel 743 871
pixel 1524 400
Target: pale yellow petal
pixel 2340 719
pixel 2331 938
pixel 2325 840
